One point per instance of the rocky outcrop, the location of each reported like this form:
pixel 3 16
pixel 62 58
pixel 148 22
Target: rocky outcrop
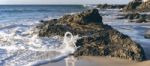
pixel 132 6
pixel 144 7
pixel 99 39
pixel 138 6
pixel 108 6
pixel 136 17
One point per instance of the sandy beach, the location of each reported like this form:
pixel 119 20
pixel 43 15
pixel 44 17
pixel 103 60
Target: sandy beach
pixel 100 61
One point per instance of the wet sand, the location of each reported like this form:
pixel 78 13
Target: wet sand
pixel 101 61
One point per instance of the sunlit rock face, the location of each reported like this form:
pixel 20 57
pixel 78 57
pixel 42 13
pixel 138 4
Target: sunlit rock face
pixel 145 0
pixel 97 39
pixel 138 5
pixel 132 6
pixel 145 6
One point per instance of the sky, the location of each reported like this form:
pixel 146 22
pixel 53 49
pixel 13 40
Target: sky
pixel 63 1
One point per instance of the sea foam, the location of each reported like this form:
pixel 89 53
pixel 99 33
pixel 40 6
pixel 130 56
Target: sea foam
pixel 24 47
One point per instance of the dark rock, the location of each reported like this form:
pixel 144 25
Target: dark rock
pixel 109 6
pixel 89 16
pixel 135 17
pixel 110 43
pixel 138 5
pixel 103 6
pixel 99 40
pixel 141 20
pixel 132 6
pixel 130 16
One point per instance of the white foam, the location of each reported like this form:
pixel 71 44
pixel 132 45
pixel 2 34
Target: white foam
pixel 23 46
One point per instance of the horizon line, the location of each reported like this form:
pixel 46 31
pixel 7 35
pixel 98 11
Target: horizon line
pixel 61 4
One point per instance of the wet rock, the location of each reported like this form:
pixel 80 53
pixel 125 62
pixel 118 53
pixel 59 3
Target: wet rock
pixel 99 39
pixel 129 16
pixel 138 5
pixel 108 6
pixel 141 20
pixel 147 34
pixel 132 6
pixel 135 17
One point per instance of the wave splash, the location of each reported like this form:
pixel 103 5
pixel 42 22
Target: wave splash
pixel 22 46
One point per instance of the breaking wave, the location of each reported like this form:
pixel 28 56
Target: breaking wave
pixel 21 45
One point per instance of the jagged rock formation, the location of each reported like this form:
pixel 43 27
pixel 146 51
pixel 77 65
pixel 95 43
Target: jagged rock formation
pixel 138 6
pixel 145 6
pixel 99 39
pixel 132 6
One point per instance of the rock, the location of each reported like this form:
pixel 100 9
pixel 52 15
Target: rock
pixel 144 7
pixel 132 6
pixel 99 39
pixel 138 5
pixel 141 20
pixel 83 21
pixel 130 16
pixel 147 34
pixel 110 43
pixel 135 17
pixel 108 6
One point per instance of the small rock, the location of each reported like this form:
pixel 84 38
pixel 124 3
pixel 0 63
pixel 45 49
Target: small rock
pixel 147 34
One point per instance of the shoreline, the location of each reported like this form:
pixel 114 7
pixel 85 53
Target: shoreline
pixel 100 61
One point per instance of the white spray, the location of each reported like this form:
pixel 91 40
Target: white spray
pixel 70 43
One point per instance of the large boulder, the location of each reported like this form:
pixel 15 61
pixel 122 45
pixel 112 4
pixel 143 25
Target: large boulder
pixel 132 6
pixel 77 24
pixel 99 39
pixel 144 7
pixel 138 5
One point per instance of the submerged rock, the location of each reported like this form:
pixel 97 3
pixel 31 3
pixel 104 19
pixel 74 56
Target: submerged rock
pixel 147 34
pixel 99 39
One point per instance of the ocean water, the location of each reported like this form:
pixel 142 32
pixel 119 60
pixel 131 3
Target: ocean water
pixel 19 43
